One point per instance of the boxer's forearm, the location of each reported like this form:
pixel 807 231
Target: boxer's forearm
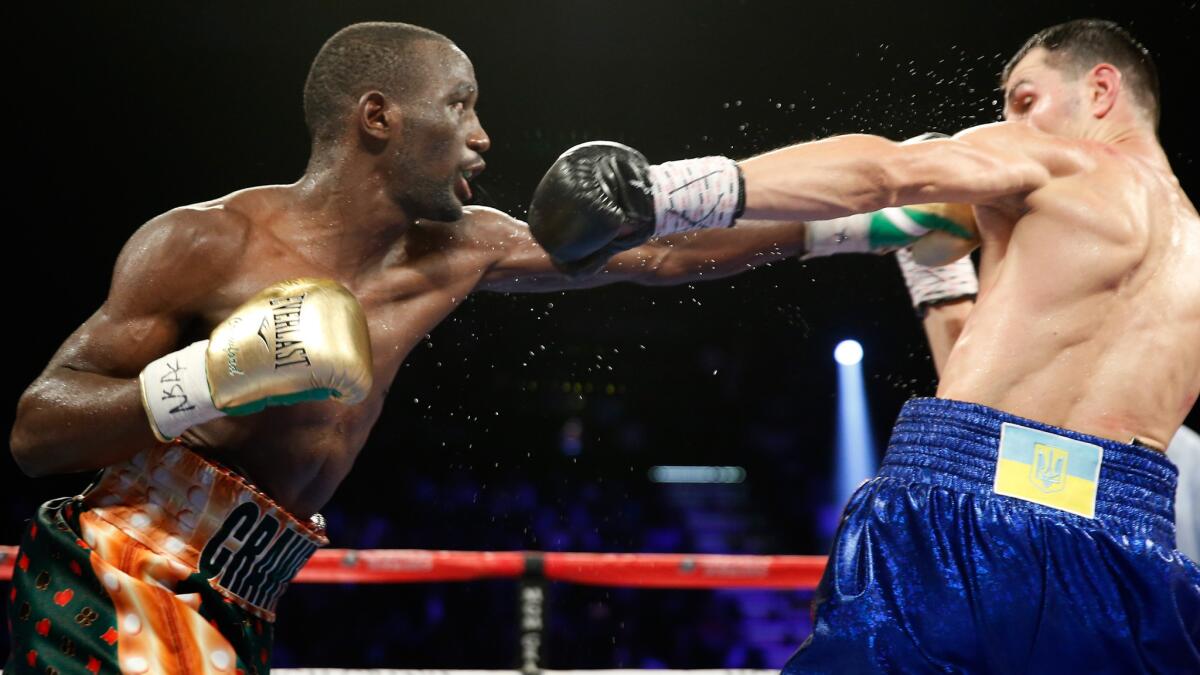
pixel 706 254
pixel 820 180
pixel 943 295
pixel 712 254
pixel 69 421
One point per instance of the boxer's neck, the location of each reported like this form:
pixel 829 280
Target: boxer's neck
pixel 344 209
pixel 1129 135
pixel 1140 142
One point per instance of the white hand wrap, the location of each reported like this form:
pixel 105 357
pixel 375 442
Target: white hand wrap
pixel 877 232
pixel 695 193
pixel 175 392
pixel 850 234
pixel 932 285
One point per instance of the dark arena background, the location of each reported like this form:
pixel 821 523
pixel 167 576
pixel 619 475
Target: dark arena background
pixel 532 422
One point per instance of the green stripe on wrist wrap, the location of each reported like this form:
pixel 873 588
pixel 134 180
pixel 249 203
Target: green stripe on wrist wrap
pixel 886 233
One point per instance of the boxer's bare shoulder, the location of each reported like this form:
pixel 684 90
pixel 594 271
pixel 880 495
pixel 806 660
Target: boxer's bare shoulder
pixel 184 240
pixel 164 276
pixel 1058 154
pixel 505 256
pixel 482 245
pixel 481 229
pixel 486 228
pixel 1016 148
pixel 1087 184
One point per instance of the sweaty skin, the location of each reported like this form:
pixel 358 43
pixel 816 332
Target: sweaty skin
pixel 350 219
pixel 1088 314
pixel 943 324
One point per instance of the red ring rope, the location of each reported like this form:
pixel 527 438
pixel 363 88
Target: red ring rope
pixel 673 570
pixel 644 570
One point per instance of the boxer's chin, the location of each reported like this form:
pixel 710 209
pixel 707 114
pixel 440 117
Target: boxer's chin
pixel 449 212
pixel 451 204
pixel 445 207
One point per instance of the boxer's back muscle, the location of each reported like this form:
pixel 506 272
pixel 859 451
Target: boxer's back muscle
pixel 1089 312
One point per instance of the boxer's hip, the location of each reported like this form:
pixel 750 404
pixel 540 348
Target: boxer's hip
pixel 206 519
pixel 991 543
pixel 1087 481
pixel 167 562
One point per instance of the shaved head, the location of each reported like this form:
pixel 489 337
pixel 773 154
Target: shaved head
pixel 359 58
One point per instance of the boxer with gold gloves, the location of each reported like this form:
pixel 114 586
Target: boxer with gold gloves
pixel 223 415
pixel 167 517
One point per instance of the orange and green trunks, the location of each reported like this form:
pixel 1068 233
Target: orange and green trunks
pixel 168 564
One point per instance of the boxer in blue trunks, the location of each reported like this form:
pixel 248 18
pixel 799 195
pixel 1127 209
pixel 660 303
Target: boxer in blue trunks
pixel 943 296
pixel 1021 522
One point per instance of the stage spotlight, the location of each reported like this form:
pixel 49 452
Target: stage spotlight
pixel 848 352
pixel 855 446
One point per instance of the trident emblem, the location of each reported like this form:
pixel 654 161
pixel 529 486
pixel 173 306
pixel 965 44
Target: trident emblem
pixel 1049 470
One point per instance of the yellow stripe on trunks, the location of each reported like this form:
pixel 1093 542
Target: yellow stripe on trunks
pixel 1048 469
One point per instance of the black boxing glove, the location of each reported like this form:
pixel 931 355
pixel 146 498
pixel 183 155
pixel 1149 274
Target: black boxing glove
pixel 601 198
pixel 594 202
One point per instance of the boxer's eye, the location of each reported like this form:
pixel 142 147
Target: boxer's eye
pixel 457 106
pixel 1023 101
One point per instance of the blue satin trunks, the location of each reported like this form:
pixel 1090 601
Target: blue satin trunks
pixel 932 571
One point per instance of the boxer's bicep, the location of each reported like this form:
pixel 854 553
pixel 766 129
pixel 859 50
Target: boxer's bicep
pixel 85 409
pixel 161 275
pixel 527 269
pixel 116 345
pixel 964 170
pixel 512 261
pixel 992 164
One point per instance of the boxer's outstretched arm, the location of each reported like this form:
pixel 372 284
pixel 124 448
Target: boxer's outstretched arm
pixel 520 265
pixel 85 410
pixel 708 254
pixel 860 173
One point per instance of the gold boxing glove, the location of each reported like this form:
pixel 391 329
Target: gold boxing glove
pixel 295 341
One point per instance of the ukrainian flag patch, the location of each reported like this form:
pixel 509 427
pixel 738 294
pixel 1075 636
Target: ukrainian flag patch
pixel 1048 469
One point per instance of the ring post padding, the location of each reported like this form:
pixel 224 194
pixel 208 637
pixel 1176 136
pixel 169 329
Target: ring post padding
pixel 531 619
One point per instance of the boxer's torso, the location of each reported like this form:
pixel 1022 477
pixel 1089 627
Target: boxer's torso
pixel 1088 316
pixel 299 454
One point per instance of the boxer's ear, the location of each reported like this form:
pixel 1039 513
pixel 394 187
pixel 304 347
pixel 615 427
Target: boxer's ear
pixel 1104 85
pixel 377 117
